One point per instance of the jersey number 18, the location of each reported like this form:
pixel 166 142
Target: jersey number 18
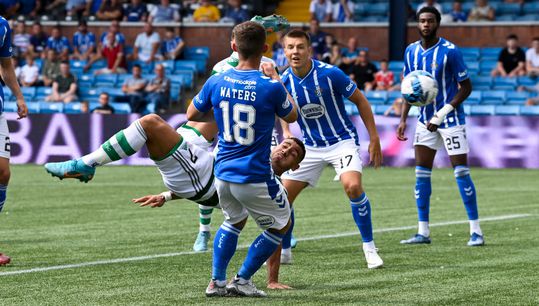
pixel 239 124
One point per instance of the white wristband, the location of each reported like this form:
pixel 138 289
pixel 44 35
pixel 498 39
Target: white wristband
pixel 440 115
pixel 167 195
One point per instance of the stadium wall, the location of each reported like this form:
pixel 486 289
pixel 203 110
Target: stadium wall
pixel 371 35
pixel 495 141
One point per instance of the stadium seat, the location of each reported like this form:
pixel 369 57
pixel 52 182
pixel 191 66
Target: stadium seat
pixel 85 80
pixel 184 78
pixel 150 108
pixel 527 81
pixel 466 108
pixel 505 18
pixel 10 107
pixel 376 97
pixel 473 67
pixel 527 17
pixel 146 67
pixel 470 52
pixel 392 95
pixel 121 78
pixel 86 93
pixel 351 108
pixel 490 53
pixel 121 108
pixel 42 92
pixel 529 110
pixel 175 92
pixel 474 97
pixel 481 82
pixel 73 108
pixel 7 93
pixel 114 92
pixel 33 107
pixel 482 110
pixel 77 64
pixel 503 83
pixel 486 66
pixel 39 63
pixel 105 80
pixel 51 107
pixel 28 93
pixel 493 97
pixel 517 97
pixel 506 110
pixel 508 9
pixel 169 66
pixel 381 109
pixel 185 65
pixel 197 51
pixel 395 65
pixel 379 9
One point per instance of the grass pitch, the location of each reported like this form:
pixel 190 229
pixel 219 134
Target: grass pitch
pixel 49 224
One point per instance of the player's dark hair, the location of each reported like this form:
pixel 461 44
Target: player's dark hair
pixel 104 93
pixel 512 36
pixel 170 29
pixel 432 10
pixel 384 60
pixel 137 66
pixel 83 22
pixel 536 38
pixel 299 34
pixel 250 38
pixel 301 145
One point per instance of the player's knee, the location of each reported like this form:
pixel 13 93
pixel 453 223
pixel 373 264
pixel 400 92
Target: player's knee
pixel 240 225
pixel 150 120
pixel 5 174
pixel 353 190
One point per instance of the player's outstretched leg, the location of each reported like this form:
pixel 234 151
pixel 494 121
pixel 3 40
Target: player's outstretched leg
pixel 467 192
pixel 203 237
pixel 423 191
pixel 286 252
pixel 361 211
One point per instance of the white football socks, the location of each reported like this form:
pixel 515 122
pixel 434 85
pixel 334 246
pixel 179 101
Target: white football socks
pixel 475 228
pixel 423 228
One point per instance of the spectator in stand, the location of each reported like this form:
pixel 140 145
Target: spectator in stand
pixel 92 7
pixel 29 73
pixel 38 41
pixel 136 11
pixel 318 39
pixel 29 8
pixel 133 89
pixel 64 87
pixel 235 13
pixel 84 107
pixel 158 90
pixel 104 106
pixel 321 10
pixel 112 51
pixel 363 72
pixel 172 46
pixel 17 68
pixel 432 3
pixel 512 60
pixel 343 11
pixel 395 109
pixel 278 53
pixel 21 41
pixel 146 44
pixel 482 11
pixel 532 59
pixel 110 10
pixel 328 44
pixel 83 43
pixel 51 68
pixel 457 14
pixel 58 43
pixel 75 8
pixel 164 13
pixel 206 12
pixel 349 55
pixel 336 55
pixel 384 78
pixel 115 29
pixel 56 9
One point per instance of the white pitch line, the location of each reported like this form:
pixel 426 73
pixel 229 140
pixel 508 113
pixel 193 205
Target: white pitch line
pixel 320 237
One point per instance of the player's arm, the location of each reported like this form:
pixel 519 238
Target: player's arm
pixel 200 108
pixel 8 75
pixel 269 70
pixel 365 111
pixel 156 200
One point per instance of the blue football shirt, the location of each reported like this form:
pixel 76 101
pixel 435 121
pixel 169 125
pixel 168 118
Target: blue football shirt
pixel 5 50
pixel 244 103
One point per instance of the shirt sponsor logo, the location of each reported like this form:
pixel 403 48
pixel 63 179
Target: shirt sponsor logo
pixel 463 74
pixel 265 221
pixel 350 86
pixel 286 104
pixel 241 82
pixel 313 111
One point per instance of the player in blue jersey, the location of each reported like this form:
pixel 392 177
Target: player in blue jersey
pixel 245 103
pixel 7 73
pixel 441 123
pixel 329 136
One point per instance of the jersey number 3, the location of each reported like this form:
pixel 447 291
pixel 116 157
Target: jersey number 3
pixel 240 124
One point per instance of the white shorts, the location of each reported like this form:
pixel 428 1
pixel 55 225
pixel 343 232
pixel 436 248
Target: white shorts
pixel 343 156
pixel 187 171
pixel 266 203
pixel 193 136
pixel 453 138
pixel 5 144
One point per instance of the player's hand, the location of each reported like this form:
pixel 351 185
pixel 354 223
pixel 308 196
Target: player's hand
pixel 400 131
pixel 278 286
pixel 269 70
pixel 432 127
pixel 375 153
pixel 22 109
pixel 153 201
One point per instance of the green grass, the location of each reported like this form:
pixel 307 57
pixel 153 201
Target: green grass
pixel 47 222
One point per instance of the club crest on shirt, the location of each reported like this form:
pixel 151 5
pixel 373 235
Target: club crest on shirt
pixel 318 91
pixel 313 111
pixel 434 66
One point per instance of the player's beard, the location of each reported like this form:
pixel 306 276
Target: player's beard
pixel 431 36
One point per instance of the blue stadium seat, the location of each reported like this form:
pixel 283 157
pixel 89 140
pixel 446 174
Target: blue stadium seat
pixel 175 92
pixel 517 97
pixel 28 93
pixel 493 97
pixel 507 110
pixel 473 67
pixel 105 80
pixel 529 110
pixel 33 107
pixel 392 95
pixel 376 97
pixel 467 6
pixel 183 79
pixel 146 67
pixel 10 107
pixel 150 108
pixel 503 83
pixel 490 53
pixel 351 109
pixel 395 65
pixel 508 9
pixel 466 108
pixel 169 66
pixel 482 110
pixel 470 52
pixel 381 109
pixel 527 17
pixel 121 79
pixel 360 9
pixel 486 66
pixel 121 108
pixel 115 92
pixel 379 9
pixel 7 93
pixel 470 58
pixel 77 64
pixel 505 18
pixel 532 6
pixel 42 92
pixel 527 81
pixel 474 97
pixel 197 51
pixel 39 63
pixel 87 93
pixel 185 65
pixel 369 19
pixel 51 107
pixel 481 82
pixel 72 108
pixel 85 80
